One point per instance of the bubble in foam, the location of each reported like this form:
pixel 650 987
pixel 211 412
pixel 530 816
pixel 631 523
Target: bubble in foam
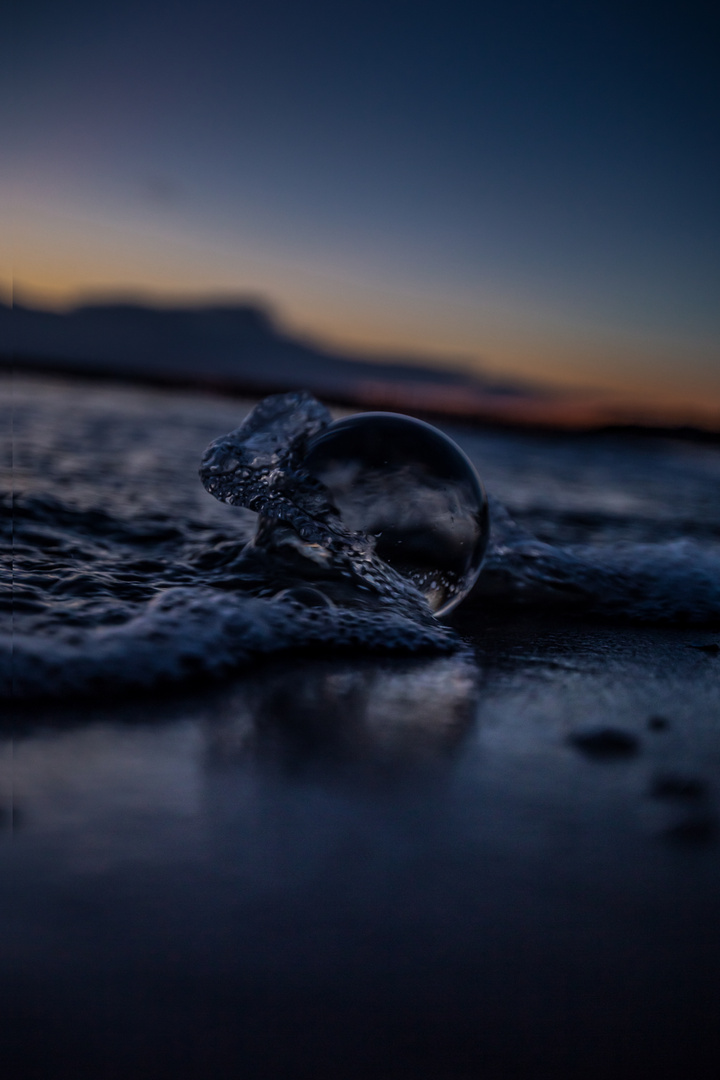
pixel 414 492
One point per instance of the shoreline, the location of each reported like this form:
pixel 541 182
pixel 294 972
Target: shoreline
pixel 497 863
pixel 368 397
pixel 400 868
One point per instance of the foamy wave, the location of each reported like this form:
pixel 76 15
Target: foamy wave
pixel 189 632
pixel 674 582
pixel 130 596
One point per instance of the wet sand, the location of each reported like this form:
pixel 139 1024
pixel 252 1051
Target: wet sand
pixel 502 864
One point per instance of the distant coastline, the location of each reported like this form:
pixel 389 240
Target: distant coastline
pixel 237 349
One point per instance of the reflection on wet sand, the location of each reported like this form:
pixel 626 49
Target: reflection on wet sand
pixel 363 869
pixel 114 775
pixel 401 713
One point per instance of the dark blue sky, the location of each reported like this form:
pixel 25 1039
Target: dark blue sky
pixel 530 186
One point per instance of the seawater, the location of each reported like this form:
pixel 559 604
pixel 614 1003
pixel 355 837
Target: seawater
pixel 120 571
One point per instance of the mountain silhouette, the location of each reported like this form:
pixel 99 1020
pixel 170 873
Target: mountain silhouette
pixel 237 347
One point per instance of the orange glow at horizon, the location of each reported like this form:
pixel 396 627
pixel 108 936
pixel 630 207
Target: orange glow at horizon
pixel 60 261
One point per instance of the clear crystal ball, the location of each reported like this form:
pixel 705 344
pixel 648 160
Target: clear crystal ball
pixel 414 492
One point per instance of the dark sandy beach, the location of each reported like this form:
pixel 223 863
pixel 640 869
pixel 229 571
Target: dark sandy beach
pixel 504 862
pixel 395 869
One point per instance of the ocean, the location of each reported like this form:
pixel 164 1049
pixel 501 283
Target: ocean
pixel 121 571
pixel 263 815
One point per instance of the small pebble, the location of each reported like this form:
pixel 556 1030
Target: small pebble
pixel 605 742
pixel 693 832
pixel 676 786
pixel 658 723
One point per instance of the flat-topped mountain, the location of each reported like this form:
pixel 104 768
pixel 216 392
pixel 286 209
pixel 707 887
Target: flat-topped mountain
pixel 231 346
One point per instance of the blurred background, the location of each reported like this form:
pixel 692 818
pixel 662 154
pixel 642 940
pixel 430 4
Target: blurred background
pixel 497 863
pixel 501 209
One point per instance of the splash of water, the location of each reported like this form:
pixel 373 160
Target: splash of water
pixel 118 572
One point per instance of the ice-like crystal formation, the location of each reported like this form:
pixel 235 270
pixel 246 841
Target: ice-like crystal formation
pixel 302 537
pixel 388 502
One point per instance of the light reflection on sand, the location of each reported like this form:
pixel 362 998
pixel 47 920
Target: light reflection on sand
pixel 107 791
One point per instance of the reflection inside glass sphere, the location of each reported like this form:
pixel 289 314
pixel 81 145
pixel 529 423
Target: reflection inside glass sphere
pixel 409 488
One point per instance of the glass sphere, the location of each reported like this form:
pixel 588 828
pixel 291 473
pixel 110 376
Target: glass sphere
pixel 415 493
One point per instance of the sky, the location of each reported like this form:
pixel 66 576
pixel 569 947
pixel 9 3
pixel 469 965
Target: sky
pixel 525 189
